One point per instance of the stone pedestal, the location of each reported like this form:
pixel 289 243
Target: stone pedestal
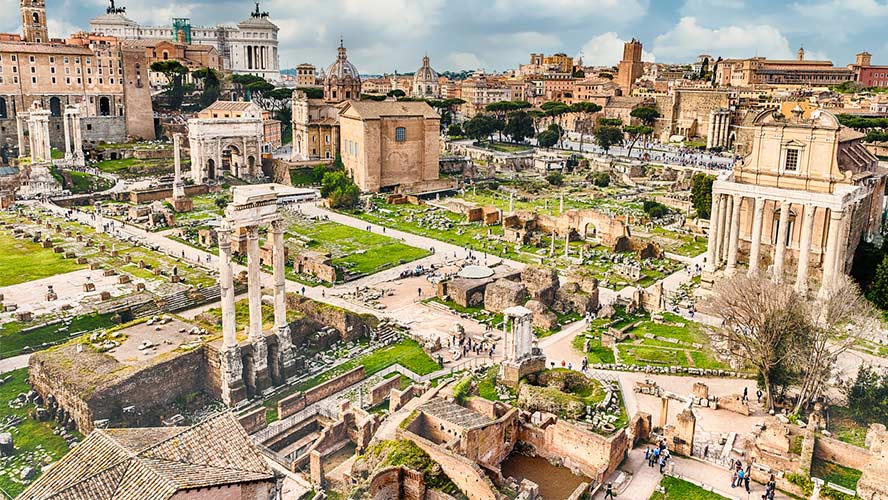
pixel 261 378
pixel 231 369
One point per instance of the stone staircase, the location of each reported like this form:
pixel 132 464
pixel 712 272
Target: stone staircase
pixel 387 334
pixel 180 301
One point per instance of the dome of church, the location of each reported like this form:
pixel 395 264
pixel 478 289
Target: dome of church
pixel 342 68
pixel 425 74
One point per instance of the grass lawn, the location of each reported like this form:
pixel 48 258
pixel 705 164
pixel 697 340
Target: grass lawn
pixel 508 147
pixel 134 167
pixel 303 177
pixel 22 261
pixel 844 428
pixel 13 340
pixel 681 489
pixel 355 251
pixel 408 353
pixel 597 353
pixel 835 473
pixel 30 437
pixel 85 183
pixel 479 314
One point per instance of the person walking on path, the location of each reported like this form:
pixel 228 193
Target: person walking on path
pixel 662 463
pixel 609 493
pixel 746 478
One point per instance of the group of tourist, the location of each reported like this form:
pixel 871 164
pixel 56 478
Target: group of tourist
pixel 740 477
pixel 658 456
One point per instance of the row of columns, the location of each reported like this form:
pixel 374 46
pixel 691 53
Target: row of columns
pixel 232 364
pixel 38 136
pixel 257 57
pixel 719 127
pixel 73 138
pixel 724 238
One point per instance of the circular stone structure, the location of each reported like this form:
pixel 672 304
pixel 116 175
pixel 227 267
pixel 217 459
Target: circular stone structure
pixel 475 272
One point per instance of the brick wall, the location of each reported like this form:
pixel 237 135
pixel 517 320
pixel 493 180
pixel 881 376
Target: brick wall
pixel 380 391
pixel 578 449
pixel 841 453
pixel 467 475
pixel 150 195
pixel 296 402
pixel 398 482
pixel 254 420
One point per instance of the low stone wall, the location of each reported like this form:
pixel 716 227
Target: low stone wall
pixel 349 325
pixel 254 420
pixel 467 475
pixel 397 399
pixel 382 390
pixel 398 482
pixel 733 403
pixel 844 454
pixel 150 195
pixel 296 402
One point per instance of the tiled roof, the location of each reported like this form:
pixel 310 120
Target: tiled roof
pixel 153 463
pixel 41 48
pixel 230 106
pixel 370 110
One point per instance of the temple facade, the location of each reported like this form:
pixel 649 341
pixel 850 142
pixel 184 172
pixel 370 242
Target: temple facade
pixel 799 204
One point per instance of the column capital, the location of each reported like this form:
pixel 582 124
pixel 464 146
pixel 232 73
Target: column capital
pixel 277 226
pixel 252 232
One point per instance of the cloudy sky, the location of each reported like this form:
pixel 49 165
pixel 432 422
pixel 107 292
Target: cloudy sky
pixel 387 35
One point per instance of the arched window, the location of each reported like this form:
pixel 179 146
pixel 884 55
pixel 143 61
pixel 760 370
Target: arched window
pixel 104 106
pixel 166 55
pixel 36 17
pixel 2 107
pixel 55 106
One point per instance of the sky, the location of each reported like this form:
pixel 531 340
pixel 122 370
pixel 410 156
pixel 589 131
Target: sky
pixel 494 35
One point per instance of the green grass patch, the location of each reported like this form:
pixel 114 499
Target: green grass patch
pixel 597 354
pixel 22 261
pixel 408 353
pixel 303 177
pixel 679 488
pixel 30 437
pixel 14 340
pixel 844 428
pixel 134 167
pixel 408 454
pixel 834 473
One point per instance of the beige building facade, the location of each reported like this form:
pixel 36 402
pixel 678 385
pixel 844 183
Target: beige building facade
pixel 390 144
pixel 799 203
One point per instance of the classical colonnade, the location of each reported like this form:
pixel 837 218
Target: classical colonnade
pixel 831 211
pixel 232 368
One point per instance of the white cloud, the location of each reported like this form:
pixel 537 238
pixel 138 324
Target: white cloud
pixel 459 61
pixel 688 39
pixel 606 49
pixel 394 16
pixel 61 29
pixel 577 11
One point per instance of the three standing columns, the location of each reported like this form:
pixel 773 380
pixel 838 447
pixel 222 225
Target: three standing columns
pixel 231 366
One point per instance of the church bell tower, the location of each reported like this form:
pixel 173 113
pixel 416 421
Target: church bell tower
pixel 34 21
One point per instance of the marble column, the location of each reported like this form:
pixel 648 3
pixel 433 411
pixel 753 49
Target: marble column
pixel 714 228
pixel 20 135
pixel 780 244
pixel 805 249
pixel 755 248
pixel 832 245
pixel 282 328
pixel 734 238
pixel 226 288
pixel 230 362
pixel 511 204
pixel 728 209
pixel 178 185
pixel 47 149
pixel 67 128
pixel 720 217
pixel 567 244
pixel 254 283
pixel 561 205
pixel 842 249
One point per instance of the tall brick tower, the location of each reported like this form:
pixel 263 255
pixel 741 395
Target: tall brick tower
pixel 631 67
pixel 34 21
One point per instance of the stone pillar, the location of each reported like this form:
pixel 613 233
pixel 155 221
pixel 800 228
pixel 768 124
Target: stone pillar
pixel 511 203
pixel 44 124
pixel 561 205
pixel 734 238
pixel 99 222
pixel 226 288
pixel 231 366
pixel 552 250
pixel 842 249
pixel 721 217
pixel 567 244
pixel 254 294
pixel 178 185
pixel 728 209
pixel 254 282
pixel 780 244
pixel 282 328
pixel 664 411
pixel 805 249
pixel 66 118
pixel 685 426
pixel 20 135
pixel 832 246
pixel 710 137
pixel 756 245
pixel 714 228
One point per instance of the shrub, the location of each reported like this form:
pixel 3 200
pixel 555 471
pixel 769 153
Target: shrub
pixel 655 210
pixel 802 481
pixel 462 389
pixel 601 179
pixel 555 179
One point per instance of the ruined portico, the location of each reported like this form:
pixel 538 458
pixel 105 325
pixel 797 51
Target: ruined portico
pixel 39 180
pixel 521 354
pixel 250 368
pixel 803 198
pixel 73 139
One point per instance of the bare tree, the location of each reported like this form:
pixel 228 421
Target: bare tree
pixel 763 323
pixel 841 319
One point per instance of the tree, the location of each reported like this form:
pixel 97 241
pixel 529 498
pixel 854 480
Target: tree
pixel 601 179
pixel 312 92
pixel 340 190
pixel 555 178
pixel 537 116
pixel 548 138
pixel 241 82
pixel 654 209
pixel 174 73
pixel 701 194
pixel 635 132
pixel 396 93
pixel 610 122
pixel 455 130
pixel 842 318
pixel 878 292
pixel 608 136
pixel 648 116
pixel 764 323
pixel 480 127
pixel 556 110
pixel 868 396
pixel 212 85
pixel 519 126
pixel 585 110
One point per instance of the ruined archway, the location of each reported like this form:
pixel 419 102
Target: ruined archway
pixel 55 106
pixel 211 169
pixel 104 106
pixel 590 232
pixel 232 160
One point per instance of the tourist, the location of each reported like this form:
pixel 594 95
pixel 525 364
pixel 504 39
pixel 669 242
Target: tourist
pixel 746 478
pixel 656 457
pixel 758 395
pixel 662 463
pixel 609 493
pixel 303 290
pixel 733 478
pixel 745 394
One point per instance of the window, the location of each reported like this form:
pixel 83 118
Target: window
pixel 327 139
pixel 51 60
pixel 791 164
pixel 67 60
pixel 31 58
pixel 400 134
